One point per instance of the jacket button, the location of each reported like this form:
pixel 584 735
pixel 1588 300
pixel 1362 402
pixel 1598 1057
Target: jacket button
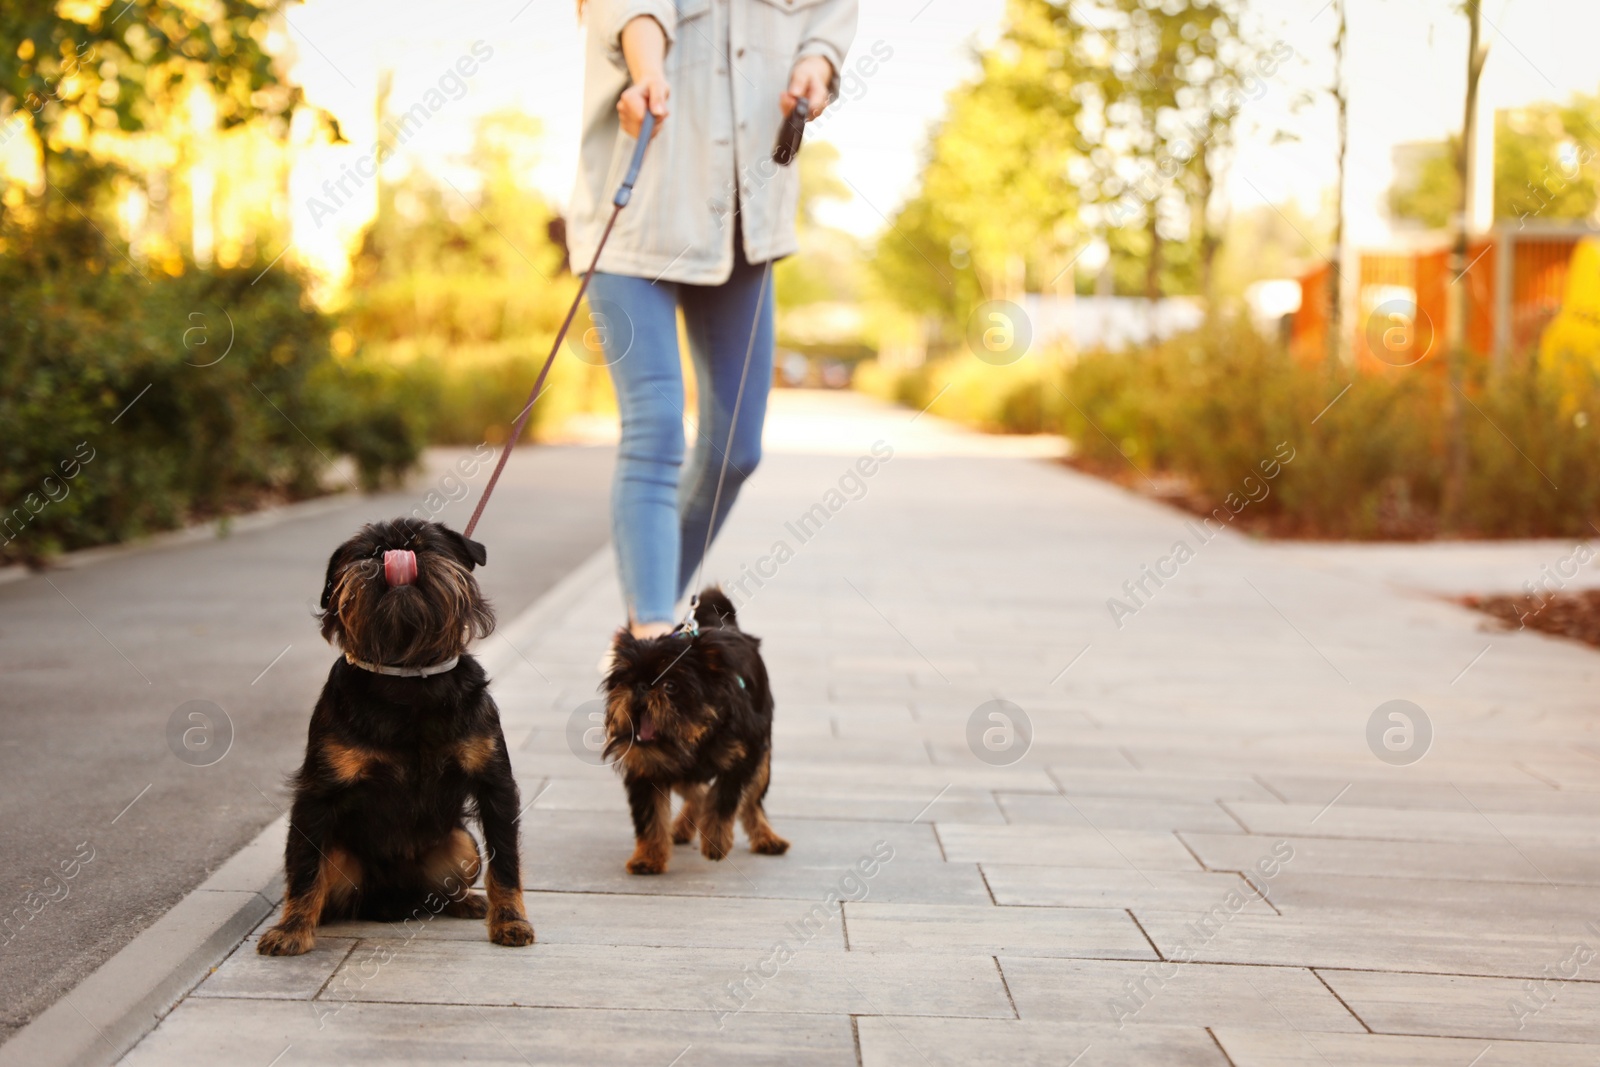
pixel 740 53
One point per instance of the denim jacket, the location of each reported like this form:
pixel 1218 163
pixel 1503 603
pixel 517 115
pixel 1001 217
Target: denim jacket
pixel 728 61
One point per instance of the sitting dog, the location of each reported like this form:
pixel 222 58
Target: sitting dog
pixel 404 741
pixel 692 712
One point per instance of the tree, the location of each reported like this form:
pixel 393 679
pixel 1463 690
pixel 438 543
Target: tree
pixel 996 208
pixel 71 72
pixel 1161 83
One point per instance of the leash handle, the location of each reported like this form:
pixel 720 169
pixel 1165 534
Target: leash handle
pixel 791 133
pixel 625 190
pixel 620 201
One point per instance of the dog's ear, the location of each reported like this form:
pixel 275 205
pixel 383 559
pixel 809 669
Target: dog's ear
pixel 469 552
pixel 335 561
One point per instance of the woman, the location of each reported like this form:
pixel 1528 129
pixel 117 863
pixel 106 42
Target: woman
pixel 709 211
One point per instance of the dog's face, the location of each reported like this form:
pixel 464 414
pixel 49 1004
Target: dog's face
pixel 402 594
pixel 659 699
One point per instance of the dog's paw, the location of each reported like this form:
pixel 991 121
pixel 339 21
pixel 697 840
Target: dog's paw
pixel 513 933
pixel 471 906
pixel 682 833
pixel 769 845
pixel 282 941
pixel 716 842
pixel 647 865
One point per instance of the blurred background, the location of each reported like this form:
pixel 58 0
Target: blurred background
pixel 257 251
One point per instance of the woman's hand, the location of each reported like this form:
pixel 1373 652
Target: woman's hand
pixel 809 78
pixel 644 46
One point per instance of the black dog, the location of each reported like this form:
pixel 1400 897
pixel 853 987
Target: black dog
pixel 404 741
pixel 692 713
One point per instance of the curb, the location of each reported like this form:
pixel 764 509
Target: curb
pixel 128 995
pixel 125 998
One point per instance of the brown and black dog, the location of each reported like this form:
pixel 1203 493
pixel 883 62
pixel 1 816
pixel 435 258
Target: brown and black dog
pixel 405 743
pixel 692 712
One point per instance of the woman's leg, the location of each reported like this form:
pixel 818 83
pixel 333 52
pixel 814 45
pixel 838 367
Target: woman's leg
pixel 642 354
pixel 718 319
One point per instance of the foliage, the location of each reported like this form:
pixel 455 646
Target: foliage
pixel 74 70
pixel 1545 168
pixel 132 371
pixel 1212 405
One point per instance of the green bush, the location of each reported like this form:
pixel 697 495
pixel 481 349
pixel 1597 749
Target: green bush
pixel 1211 406
pixel 196 395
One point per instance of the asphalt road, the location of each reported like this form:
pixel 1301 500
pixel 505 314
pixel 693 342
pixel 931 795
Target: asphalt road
pixel 95 660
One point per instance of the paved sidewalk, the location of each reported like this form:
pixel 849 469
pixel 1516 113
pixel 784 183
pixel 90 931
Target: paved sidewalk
pixel 1100 897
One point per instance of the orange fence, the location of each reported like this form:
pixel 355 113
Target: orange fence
pixel 1512 286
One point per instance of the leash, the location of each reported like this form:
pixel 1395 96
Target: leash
pixel 783 153
pixel 618 202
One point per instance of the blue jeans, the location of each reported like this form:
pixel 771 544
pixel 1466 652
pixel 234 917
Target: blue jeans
pixel 658 518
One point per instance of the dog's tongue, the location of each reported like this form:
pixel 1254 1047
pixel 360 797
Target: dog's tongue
pixel 647 727
pixel 399 566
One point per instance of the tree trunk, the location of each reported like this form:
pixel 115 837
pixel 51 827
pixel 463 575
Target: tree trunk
pixel 1152 266
pixel 1208 234
pixel 1455 474
pixel 1335 338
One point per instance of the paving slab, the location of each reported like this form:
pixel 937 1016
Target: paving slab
pixel 1146 785
pixel 1120 813
pixel 248 974
pixel 605 976
pixel 1441 901
pixel 1533 798
pixel 1511 945
pixel 1276 1048
pixel 1094 933
pixel 1495 1009
pixel 910 1042
pixel 1102 887
pixel 1065 846
pixel 1485 861
pixel 203 1033
pixel 1171 994
pixel 1345 819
